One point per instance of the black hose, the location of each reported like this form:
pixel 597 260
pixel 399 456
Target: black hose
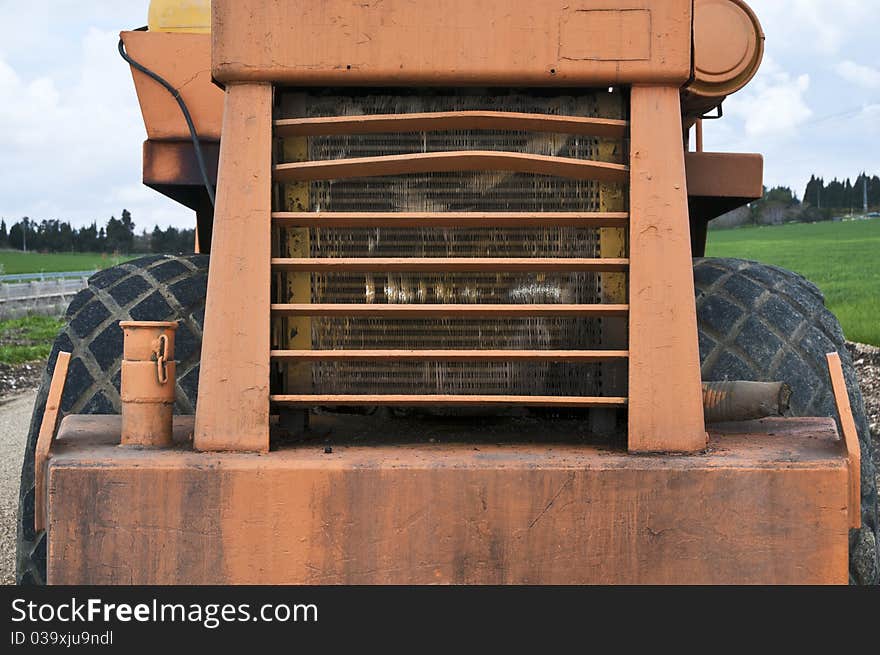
pixel 183 108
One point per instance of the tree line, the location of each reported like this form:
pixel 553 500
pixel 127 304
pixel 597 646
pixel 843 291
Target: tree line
pixel 116 236
pixel 821 202
pixel 843 195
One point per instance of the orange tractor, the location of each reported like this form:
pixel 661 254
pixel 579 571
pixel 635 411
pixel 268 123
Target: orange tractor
pixel 445 323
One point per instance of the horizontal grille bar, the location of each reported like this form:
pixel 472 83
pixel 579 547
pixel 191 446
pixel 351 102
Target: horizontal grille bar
pixel 449 311
pixel 448 264
pixel 452 219
pixel 458 120
pixel 444 162
pixel 451 355
pixel 310 400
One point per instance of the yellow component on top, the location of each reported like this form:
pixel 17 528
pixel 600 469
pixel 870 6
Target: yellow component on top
pixel 193 16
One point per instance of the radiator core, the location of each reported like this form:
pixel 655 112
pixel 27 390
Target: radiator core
pixel 438 192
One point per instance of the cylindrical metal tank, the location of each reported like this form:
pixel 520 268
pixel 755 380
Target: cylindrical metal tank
pixel 728 48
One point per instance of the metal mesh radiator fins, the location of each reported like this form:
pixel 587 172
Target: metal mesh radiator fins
pixel 484 191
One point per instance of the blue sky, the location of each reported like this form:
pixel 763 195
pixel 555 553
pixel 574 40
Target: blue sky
pixel 814 107
pixel 71 131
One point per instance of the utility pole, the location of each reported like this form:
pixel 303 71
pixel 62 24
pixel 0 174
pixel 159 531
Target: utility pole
pixel 865 191
pixel 24 223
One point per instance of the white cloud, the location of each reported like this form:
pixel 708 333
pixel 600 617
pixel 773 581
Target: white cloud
pixel 70 142
pixel 864 76
pixel 21 123
pixel 774 104
pixel 811 25
pixel 800 112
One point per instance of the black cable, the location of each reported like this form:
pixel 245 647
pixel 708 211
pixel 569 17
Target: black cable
pixel 183 108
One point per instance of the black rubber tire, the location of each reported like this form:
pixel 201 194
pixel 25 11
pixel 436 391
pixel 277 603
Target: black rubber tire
pixel 764 323
pixel 155 288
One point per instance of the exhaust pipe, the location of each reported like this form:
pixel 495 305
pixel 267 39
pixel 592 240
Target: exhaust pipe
pixel 743 401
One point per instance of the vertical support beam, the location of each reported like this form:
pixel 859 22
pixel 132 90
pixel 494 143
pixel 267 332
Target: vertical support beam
pixel 232 412
pixel 665 398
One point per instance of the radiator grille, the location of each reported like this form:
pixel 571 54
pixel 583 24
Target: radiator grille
pixel 445 192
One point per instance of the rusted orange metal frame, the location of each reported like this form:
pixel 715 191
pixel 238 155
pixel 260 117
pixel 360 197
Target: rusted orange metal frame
pixel 324 508
pixel 647 425
pixel 665 393
pixel 453 355
pixel 460 120
pixel 452 219
pixel 232 411
pixel 284 519
pixel 850 439
pixel 429 311
pixel 454 43
pixel 718 183
pixel 442 400
pixel 665 408
pixel 449 264
pixel 724 176
pixel 48 426
pixel 184 60
pixel 463 160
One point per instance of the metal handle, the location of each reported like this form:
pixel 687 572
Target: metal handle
pixel 161 371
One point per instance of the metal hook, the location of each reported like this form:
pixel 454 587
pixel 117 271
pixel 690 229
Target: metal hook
pixel 161 371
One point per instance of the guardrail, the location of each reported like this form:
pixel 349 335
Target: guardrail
pixel 47 296
pixel 62 275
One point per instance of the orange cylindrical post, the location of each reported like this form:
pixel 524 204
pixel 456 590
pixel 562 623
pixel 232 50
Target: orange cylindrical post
pixel 147 388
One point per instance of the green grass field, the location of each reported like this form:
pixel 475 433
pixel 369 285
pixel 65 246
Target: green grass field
pixel 14 261
pixel 842 259
pixel 27 339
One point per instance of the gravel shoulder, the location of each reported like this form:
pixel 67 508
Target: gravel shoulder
pixel 15 416
pixel 866 359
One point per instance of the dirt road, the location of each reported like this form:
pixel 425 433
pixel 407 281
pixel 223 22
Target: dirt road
pixel 15 415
